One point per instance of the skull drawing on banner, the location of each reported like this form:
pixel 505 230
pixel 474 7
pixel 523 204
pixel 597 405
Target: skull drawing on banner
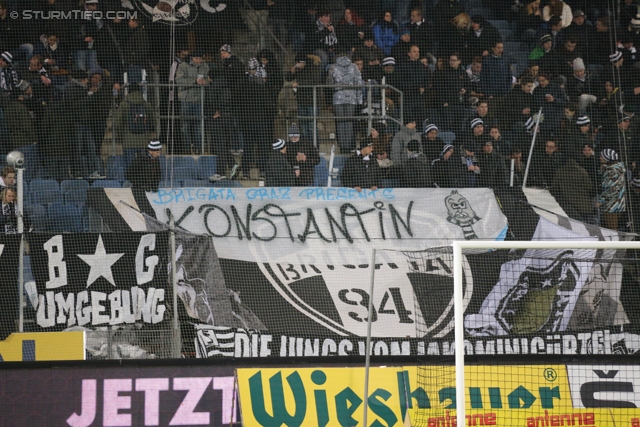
pixel 461 213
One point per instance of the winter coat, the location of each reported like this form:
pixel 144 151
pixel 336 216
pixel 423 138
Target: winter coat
pixel 123 122
pixel 399 145
pixel 363 172
pixel 386 35
pixel 415 173
pixel 307 167
pixel 9 218
pixel 495 77
pixel 310 75
pixel 493 171
pixel 187 74
pixel 280 172
pixel 144 173
pixel 613 187
pixel 446 173
pixel 344 72
pixel 572 187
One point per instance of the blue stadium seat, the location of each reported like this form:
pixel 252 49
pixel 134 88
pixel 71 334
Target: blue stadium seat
pixel 36 217
pixel 77 197
pixel 65 218
pixel 321 173
pixel 44 185
pixel 32 165
pixel 207 166
pixel 106 183
pixel 46 197
pixel 227 183
pixel 73 184
pixel 511 47
pixel 500 25
pixel 390 183
pixel 486 13
pixel 182 173
pixel 447 137
pixel 182 162
pixel 196 183
pixel 506 35
pixel 338 165
pixel 116 168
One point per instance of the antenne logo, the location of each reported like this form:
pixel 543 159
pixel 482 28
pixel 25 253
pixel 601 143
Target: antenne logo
pixel 176 12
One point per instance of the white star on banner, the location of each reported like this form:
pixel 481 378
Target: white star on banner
pixel 100 263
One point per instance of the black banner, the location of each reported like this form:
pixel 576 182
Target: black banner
pixel 98 280
pixel 9 250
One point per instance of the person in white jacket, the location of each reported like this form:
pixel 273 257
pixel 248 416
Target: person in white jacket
pixel 558 8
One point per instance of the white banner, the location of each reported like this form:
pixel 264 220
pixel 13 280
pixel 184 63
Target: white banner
pixel 329 226
pixel 605 386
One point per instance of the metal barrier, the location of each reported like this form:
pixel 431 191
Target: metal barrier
pixel 374 94
pixel 370 90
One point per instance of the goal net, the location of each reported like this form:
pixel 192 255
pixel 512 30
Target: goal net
pixel 565 307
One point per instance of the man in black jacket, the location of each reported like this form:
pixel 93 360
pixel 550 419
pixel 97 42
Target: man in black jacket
pixel 302 153
pixel 144 174
pixel 361 170
pixel 280 173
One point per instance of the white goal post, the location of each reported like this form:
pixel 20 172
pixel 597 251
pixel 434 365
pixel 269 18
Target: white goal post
pixel 458 248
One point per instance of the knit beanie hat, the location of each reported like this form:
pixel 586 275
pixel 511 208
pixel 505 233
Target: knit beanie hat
pixel 578 64
pixel 476 122
pixel 609 155
pixel 430 127
pixel 446 148
pixel 584 120
pixel 294 130
pixel 8 58
pixel 615 56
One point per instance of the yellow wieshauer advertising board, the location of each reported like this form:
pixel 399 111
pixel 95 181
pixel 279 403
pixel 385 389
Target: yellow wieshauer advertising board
pixel 43 346
pixel 509 396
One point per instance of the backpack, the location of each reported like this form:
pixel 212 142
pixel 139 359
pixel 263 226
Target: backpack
pixel 138 119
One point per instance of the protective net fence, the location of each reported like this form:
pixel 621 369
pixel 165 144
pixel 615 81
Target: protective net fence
pixel 578 304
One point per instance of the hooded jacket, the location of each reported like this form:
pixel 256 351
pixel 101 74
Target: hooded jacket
pixel 344 72
pixel 187 74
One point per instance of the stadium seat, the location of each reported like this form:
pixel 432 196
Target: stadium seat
pixel 116 168
pixel 196 183
pixel 390 183
pixel 207 166
pixel 182 162
pixel 36 217
pixel 65 218
pixel 46 197
pixel 73 184
pixel 500 25
pixel 321 173
pixel 77 197
pixel 106 183
pixel 227 183
pixel 511 47
pixel 44 185
pixel 506 35
pixel 338 165
pixel 32 165
pixel 447 137
pixel 482 11
pixel 182 173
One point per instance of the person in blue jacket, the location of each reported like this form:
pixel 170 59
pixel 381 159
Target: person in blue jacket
pixel 386 33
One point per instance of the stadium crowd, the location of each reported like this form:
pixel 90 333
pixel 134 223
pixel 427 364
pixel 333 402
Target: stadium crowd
pixel 479 80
